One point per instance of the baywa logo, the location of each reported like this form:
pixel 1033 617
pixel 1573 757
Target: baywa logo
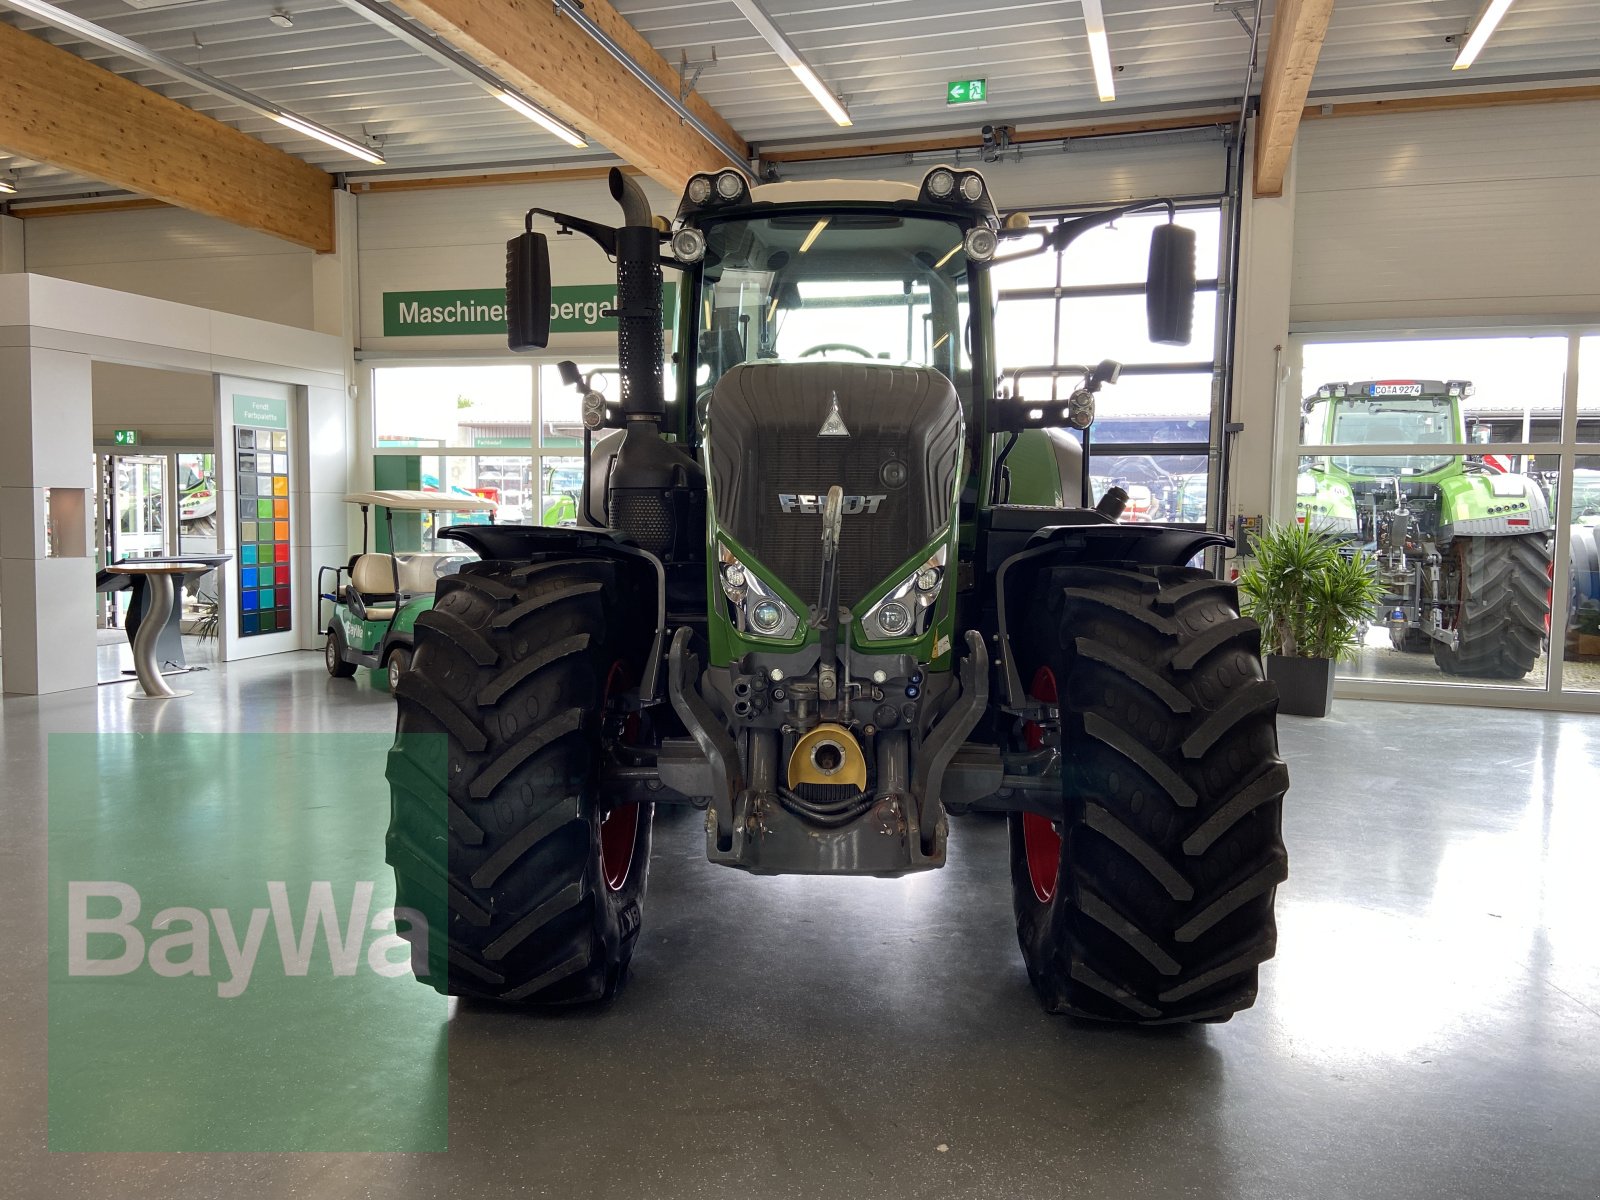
pixel 806 502
pixel 180 940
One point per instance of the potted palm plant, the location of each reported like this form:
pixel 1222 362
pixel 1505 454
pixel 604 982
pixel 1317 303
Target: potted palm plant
pixel 1310 599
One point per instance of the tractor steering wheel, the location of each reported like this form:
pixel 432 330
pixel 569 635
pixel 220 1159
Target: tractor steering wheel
pixel 824 347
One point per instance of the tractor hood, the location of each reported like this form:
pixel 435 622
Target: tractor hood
pixel 780 434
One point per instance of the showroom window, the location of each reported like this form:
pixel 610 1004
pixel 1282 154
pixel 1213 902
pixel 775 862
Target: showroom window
pixel 506 431
pixel 1153 432
pixel 1466 467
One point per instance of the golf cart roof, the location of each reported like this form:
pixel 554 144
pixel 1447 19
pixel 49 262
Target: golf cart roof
pixel 417 501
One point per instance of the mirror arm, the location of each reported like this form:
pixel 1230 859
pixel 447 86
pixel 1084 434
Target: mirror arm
pixel 603 236
pixel 1067 232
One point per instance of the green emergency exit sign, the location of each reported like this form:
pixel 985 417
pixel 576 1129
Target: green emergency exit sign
pixel 966 91
pixel 126 437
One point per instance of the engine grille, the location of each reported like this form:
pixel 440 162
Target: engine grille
pixel 870 545
pixel 765 444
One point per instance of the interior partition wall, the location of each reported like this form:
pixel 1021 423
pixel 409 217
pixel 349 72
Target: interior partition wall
pixel 1529 433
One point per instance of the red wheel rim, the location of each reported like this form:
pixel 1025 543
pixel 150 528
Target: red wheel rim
pixel 1041 844
pixel 619 828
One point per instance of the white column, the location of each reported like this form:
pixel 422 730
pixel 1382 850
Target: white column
pixel 46 481
pixel 11 245
pixel 1261 351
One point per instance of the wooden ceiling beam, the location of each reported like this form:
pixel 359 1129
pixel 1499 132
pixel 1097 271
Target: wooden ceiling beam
pixel 60 109
pixel 548 57
pixel 1298 27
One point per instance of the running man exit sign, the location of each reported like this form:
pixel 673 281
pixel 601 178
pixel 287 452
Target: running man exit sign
pixel 966 91
pixel 127 437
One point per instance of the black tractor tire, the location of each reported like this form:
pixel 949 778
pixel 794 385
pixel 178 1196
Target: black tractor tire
pixel 1169 847
pixel 1410 641
pixel 333 655
pixel 1500 587
pixel 542 887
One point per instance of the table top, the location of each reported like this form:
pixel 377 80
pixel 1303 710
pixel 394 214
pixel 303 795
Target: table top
pixel 156 568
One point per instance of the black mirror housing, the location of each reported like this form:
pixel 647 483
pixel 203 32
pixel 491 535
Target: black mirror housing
pixel 528 292
pixel 1169 285
pixel 570 375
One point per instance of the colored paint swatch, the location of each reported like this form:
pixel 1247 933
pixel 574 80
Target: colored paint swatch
pixel 264 549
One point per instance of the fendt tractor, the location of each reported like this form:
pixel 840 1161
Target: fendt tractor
pixel 1462 547
pixel 834 591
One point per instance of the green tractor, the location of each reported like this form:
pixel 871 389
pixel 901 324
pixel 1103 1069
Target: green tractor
pixel 832 592
pixel 1462 546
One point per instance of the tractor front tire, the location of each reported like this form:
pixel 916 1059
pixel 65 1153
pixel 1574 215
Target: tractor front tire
pixel 542 885
pixel 1500 587
pixel 1149 898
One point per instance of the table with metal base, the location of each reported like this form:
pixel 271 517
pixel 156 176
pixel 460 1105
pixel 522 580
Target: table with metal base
pixel 160 595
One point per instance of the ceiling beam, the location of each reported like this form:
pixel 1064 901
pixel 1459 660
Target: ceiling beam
pixel 59 109
pixel 549 56
pixel 1298 27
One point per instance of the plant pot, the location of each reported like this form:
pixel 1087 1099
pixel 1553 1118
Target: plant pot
pixel 1305 685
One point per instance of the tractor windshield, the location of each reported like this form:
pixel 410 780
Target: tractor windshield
pixel 1416 421
pixel 868 285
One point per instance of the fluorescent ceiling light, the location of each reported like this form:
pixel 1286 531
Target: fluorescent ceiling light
pixel 816 232
pixel 757 16
pixel 1487 21
pixel 422 40
pixel 539 117
pixel 1094 22
pixel 59 18
pixel 7 187
pixel 327 136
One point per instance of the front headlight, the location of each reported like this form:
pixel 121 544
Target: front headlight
pixel 756 609
pixel 1305 485
pixel 908 607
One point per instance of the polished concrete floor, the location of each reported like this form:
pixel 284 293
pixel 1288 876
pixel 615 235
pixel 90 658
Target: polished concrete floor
pixel 1430 1028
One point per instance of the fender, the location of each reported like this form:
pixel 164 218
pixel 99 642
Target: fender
pixel 535 543
pixel 1145 545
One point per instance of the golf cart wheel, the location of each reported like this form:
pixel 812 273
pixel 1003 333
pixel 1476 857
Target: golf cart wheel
pixel 541 880
pixel 398 663
pixel 333 655
pixel 1497 591
pixel 1148 895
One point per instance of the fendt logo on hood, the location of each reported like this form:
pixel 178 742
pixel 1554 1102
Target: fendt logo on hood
pixel 807 503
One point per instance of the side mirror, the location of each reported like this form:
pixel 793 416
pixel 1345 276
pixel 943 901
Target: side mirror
pixel 570 375
pixel 1109 371
pixel 1169 285
pixel 528 292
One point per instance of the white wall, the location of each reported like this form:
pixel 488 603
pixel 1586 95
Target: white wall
pixel 456 238
pixel 1470 213
pixel 166 407
pixel 170 254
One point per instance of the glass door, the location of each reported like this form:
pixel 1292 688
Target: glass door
pixel 137 498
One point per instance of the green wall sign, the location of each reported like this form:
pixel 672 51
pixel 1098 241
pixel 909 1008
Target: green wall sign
pixel 260 412
pixel 966 91
pixel 126 437
pixel 573 309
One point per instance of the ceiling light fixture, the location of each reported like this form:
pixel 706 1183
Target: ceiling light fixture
pixel 281 18
pixel 338 141
pixel 420 39
pixel 757 16
pixel 1488 19
pixel 1094 23
pixel 7 187
pixel 539 117
pixel 58 18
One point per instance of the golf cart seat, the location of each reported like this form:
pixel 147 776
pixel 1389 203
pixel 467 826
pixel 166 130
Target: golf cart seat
pixel 371 592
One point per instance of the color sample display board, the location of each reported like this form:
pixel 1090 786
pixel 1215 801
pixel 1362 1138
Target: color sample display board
pixel 261 465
